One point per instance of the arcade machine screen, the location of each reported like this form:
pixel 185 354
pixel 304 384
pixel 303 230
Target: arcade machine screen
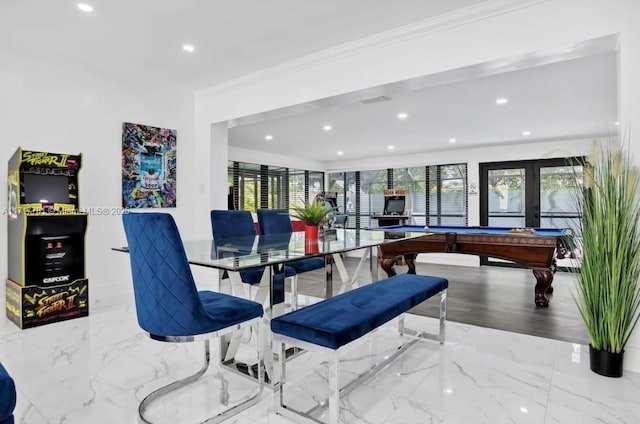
pixel 394 207
pixel 40 188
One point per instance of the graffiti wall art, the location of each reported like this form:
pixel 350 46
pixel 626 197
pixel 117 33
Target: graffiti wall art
pixel 148 166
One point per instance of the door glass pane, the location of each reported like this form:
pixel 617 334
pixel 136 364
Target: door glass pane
pixel 558 203
pixel 506 191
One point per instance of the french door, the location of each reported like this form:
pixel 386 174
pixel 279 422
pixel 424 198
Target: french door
pixel 535 193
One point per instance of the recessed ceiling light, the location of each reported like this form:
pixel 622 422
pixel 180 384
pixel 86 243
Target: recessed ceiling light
pixel 617 123
pixel 502 101
pixel 188 48
pixel 85 7
pixel 526 132
pixel 390 147
pixel 402 115
pixel 340 153
pixel 327 127
pixel 452 140
pixel 268 137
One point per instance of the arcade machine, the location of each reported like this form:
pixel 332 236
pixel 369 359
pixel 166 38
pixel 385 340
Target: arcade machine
pixel 45 240
pixel 395 207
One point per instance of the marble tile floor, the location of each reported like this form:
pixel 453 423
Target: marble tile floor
pixel 96 370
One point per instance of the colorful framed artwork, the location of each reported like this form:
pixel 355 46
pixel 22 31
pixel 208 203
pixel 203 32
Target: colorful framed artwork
pixel 148 166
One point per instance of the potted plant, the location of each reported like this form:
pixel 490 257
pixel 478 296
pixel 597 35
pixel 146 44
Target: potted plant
pixel 608 285
pixel 312 214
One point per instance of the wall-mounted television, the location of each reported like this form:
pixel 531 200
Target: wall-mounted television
pixel 394 206
pixel 45 188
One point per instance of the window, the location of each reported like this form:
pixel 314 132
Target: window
pixel 414 181
pixel 257 186
pixel 297 187
pixel 436 195
pixel 448 194
pixel 245 180
pixel 372 186
pixel 315 184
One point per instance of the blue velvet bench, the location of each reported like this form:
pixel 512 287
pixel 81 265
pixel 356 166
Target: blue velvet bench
pixel 7 397
pixel 335 322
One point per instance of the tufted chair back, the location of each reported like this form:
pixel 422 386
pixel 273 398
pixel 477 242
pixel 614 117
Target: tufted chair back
pixel 166 297
pixel 273 221
pixel 227 224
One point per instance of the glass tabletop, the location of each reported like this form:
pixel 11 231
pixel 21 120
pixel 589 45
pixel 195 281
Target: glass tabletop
pixel 239 253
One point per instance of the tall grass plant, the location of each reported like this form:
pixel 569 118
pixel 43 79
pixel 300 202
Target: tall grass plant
pixel 608 282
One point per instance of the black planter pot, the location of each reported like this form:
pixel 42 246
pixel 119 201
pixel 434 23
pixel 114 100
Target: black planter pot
pixel 606 363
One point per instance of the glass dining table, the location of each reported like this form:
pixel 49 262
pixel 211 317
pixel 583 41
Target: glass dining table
pixel 274 251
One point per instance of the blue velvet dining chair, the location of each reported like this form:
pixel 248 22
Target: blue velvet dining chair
pixel 169 306
pixel 277 221
pixel 7 396
pixel 233 224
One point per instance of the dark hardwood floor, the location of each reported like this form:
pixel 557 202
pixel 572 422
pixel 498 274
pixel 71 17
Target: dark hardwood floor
pixel 493 297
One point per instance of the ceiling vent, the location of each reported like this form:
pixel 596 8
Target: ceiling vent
pixel 375 100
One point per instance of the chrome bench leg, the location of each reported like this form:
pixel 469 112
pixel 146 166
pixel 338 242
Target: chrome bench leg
pixel 443 314
pixel 334 390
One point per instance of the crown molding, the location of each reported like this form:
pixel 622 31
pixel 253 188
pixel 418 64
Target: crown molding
pixel 481 11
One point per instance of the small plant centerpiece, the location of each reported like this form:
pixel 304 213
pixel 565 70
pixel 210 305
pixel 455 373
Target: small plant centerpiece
pixel 608 285
pixel 312 214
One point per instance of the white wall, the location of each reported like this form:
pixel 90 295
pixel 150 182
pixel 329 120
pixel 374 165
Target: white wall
pixel 57 108
pixel 528 27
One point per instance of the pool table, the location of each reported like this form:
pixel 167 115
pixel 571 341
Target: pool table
pixel 535 248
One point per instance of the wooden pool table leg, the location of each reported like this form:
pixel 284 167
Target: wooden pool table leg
pixel 544 278
pixel 410 260
pixel 387 264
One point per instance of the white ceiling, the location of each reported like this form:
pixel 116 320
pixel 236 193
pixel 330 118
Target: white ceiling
pixel 566 99
pixel 139 42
